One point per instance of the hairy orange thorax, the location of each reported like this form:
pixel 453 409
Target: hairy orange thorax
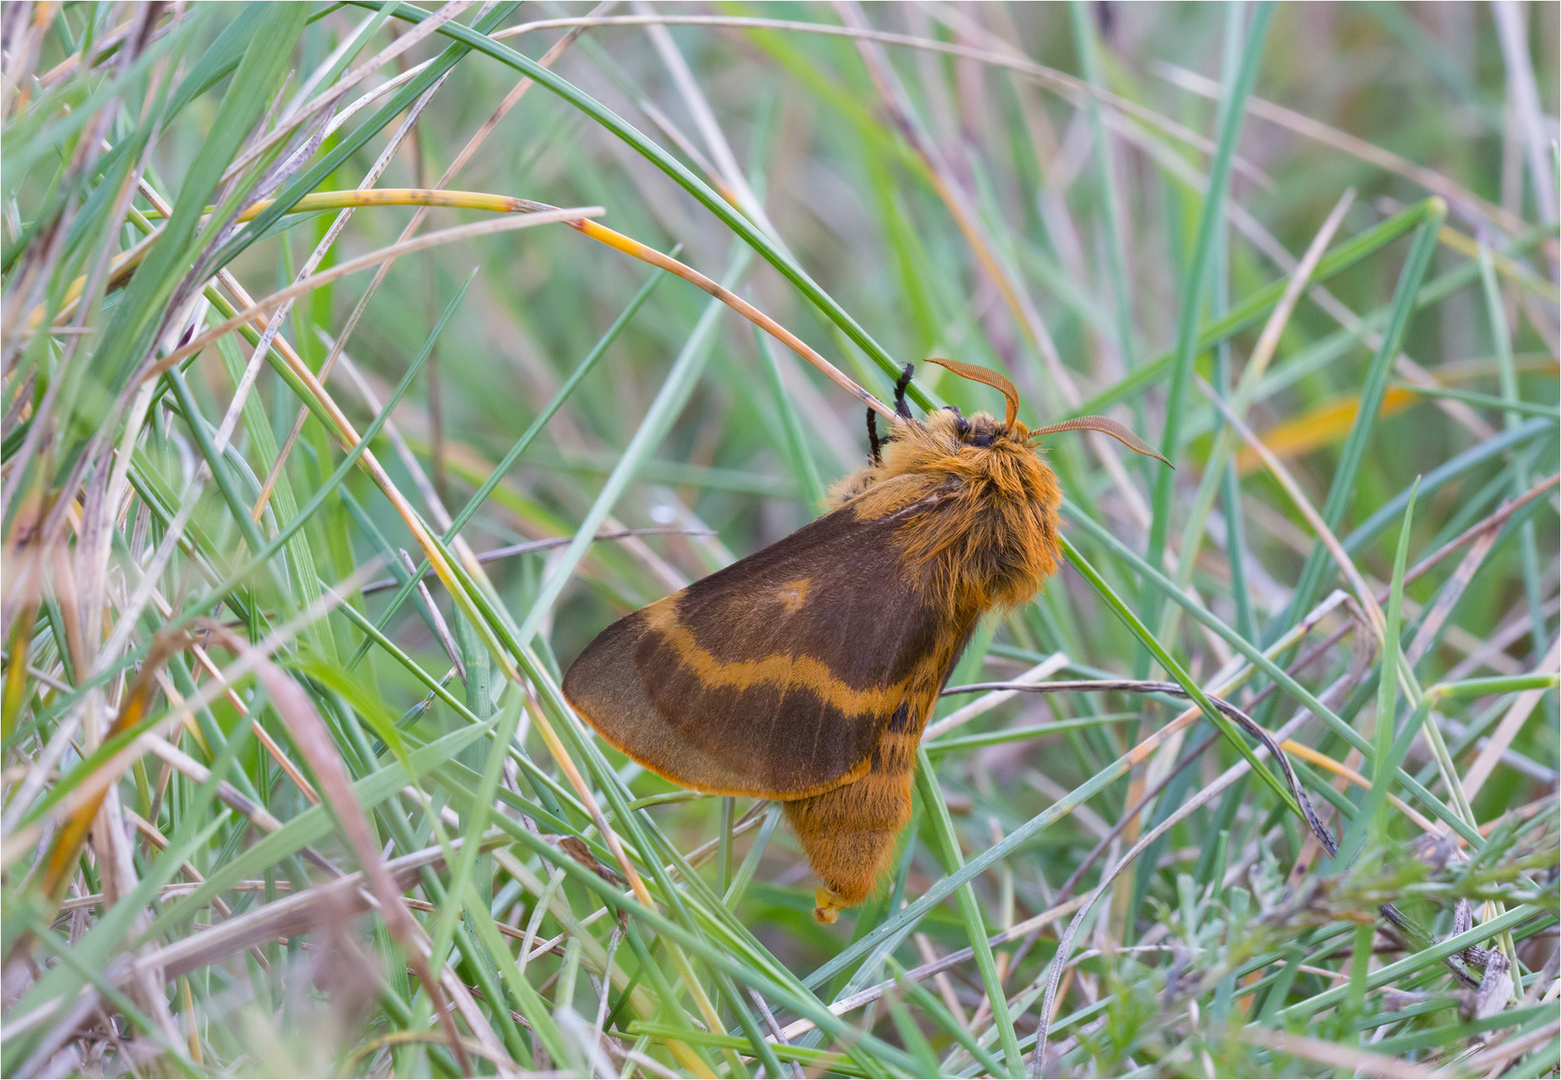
pixel 991 534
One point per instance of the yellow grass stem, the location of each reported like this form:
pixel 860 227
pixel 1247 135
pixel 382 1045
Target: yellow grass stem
pixel 125 262
pixel 630 246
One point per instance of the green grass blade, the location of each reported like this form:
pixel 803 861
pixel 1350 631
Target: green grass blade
pixel 1194 282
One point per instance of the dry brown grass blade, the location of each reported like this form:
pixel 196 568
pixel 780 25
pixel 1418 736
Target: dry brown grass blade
pixel 630 246
pixel 62 855
pixel 1520 710
pixel 1002 54
pixel 262 736
pixel 941 964
pixel 353 266
pixel 296 913
pixel 278 317
pixel 1539 134
pixel 1493 520
pixel 183 763
pixel 314 741
pixel 1279 318
pixel 1357 1059
pixel 16 689
pixel 1498 1057
pixel 1204 795
pixel 723 170
pixel 1490 654
pixel 1449 595
pixel 438 191
pixel 300 115
pixel 1363 594
pixel 949 190
pixel 1150 686
pixel 1369 152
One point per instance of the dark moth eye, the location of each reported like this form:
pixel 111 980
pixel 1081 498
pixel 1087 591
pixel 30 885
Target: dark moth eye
pixel 961 425
pixel 983 439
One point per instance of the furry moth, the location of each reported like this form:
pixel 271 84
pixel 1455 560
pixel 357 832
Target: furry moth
pixel 806 672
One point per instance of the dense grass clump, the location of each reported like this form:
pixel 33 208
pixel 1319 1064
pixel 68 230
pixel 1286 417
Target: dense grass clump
pixel 357 372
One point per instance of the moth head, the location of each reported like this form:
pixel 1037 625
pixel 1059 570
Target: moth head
pixel 979 431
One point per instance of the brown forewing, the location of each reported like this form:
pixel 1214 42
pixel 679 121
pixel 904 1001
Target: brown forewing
pixel 774 677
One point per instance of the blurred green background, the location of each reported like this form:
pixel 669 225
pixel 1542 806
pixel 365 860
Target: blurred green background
pixel 1106 202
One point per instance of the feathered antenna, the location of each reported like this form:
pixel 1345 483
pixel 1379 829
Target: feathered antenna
pixel 986 377
pixel 1105 426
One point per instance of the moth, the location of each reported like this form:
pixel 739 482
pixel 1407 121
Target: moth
pixel 806 672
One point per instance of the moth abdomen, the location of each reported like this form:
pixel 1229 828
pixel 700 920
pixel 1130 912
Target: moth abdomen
pixel 849 833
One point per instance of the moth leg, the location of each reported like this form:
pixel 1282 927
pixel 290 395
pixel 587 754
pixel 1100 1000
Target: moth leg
pixel 900 406
pixel 904 384
pixel 849 833
pixel 961 425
